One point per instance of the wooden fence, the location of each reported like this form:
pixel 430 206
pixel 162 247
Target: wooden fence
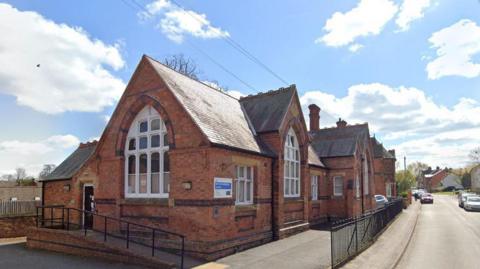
pixel 18 208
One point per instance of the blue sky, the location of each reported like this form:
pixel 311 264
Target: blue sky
pixel 411 68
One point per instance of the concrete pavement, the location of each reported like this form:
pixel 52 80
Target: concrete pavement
pixel 308 250
pixel 389 247
pixel 446 236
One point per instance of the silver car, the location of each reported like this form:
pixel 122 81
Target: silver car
pixel 380 200
pixel 472 203
pixel 462 197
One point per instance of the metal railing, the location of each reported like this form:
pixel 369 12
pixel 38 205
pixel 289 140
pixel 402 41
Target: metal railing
pixel 351 236
pixel 18 208
pixel 60 217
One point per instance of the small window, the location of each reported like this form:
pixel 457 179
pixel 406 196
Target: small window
pixel 143 142
pixel 143 126
pixel 244 185
pixel 155 141
pixel 132 144
pixel 338 186
pixel 314 188
pixel 37 198
pixel 155 124
pixel 13 199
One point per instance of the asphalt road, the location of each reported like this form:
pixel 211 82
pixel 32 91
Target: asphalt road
pixel 446 236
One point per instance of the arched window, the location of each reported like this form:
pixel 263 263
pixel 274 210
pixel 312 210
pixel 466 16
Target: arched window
pixel 366 173
pixel 291 169
pixel 147 169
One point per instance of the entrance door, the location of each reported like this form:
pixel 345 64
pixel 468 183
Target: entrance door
pixel 88 206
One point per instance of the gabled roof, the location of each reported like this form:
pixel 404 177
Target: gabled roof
pixel 266 111
pixel 313 158
pixel 70 166
pixel 379 150
pixel 338 141
pixel 218 115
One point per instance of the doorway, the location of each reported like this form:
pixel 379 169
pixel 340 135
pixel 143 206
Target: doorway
pixel 88 200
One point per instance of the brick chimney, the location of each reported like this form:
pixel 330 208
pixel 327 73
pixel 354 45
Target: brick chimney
pixel 314 117
pixel 341 123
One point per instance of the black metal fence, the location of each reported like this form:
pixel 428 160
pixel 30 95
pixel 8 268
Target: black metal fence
pixel 110 228
pixel 350 237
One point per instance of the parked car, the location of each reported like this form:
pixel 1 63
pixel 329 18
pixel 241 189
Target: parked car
pixel 472 203
pixel 462 197
pixel 427 198
pixel 380 200
pixel 418 194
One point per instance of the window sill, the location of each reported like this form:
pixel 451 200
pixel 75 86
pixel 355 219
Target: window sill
pixel 337 197
pixel 145 201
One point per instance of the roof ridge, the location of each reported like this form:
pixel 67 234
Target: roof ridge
pixel 218 90
pixel 335 127
pixel 270 92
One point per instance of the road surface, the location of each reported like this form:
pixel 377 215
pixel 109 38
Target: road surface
pixel 446 236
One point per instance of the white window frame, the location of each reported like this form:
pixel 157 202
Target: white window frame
pixel 146 114
pixel 292 184
pixel 335 185
pixel 245 179
pixel 314 184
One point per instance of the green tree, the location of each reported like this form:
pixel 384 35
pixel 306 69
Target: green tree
pixel 405 180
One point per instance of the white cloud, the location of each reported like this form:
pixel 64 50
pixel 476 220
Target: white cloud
pixel 411 10
pixel 455 45
pixel 355 47
pixel 74 70
pixel 368 18
pixel 176 22
pixel 406 119
pixel 33 155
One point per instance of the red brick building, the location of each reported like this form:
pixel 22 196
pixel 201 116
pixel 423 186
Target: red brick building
pixel 384 167
pixel 228 174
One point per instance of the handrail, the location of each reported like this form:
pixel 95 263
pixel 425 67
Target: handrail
pixel 105 218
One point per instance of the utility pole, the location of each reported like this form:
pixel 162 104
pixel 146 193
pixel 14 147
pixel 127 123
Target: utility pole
pixel 405 164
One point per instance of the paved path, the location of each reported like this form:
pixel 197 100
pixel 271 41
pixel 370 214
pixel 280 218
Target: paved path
pixel 19 257
pixel 388 248
pixel 446 236
pixel 308 250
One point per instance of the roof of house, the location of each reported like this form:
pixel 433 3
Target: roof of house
pixel 338 141
pixel 379 150
pixel 266 111
pixel 70 166
pixel 218 115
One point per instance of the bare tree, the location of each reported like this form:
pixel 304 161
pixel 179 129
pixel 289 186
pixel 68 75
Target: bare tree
pixel 47 169
pixel 20 173
pixel 183 65
pixel 475 155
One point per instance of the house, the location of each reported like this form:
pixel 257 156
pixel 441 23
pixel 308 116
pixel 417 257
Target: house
pixel 475 178
pixel 438 179
pixel 227 173
pixel 451 181
pixel 384 167
pixel 12 191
